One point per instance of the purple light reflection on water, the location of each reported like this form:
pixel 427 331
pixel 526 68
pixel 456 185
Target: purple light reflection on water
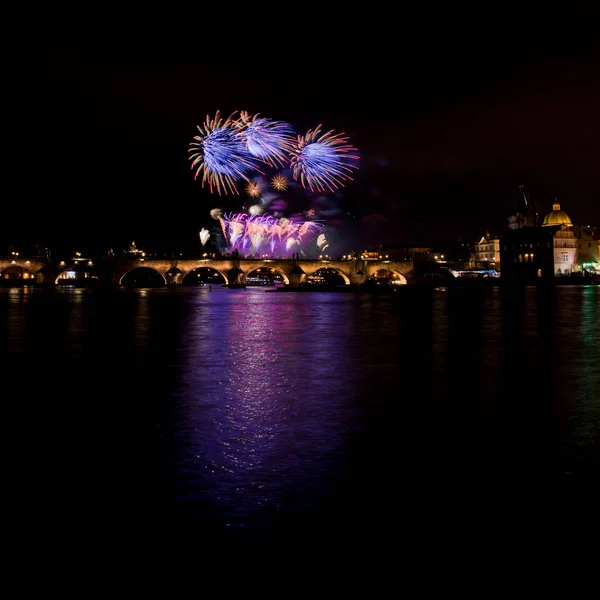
pixel 264 410
pixel 136 413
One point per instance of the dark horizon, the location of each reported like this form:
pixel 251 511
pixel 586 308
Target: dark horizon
pixel 448 125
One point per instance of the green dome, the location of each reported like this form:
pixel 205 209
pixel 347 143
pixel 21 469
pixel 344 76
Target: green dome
pixel 556 217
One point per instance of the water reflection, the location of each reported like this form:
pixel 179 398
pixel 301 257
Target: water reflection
pixel 225 410
pixel 266 403
pixel 577 370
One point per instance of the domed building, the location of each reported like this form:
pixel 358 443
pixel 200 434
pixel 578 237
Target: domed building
pixel 565 241
pixel 556 217
pixel 530 251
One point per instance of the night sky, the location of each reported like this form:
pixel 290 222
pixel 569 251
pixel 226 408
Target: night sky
pixel 449 119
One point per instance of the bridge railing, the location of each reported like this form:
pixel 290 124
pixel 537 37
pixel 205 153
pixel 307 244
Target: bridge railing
pixel 20 257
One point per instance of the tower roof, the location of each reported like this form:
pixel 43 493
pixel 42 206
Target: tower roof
pixel 556 217
pixel 524 212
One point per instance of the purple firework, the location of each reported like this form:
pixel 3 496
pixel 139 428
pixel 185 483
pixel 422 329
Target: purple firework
pixel 269 235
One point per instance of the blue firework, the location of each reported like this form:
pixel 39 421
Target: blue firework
pixel 323 162
pixel 269 141
pixel 221 155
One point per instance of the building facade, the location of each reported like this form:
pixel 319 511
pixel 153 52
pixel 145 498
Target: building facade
pixel 527 254
pixel 486 252
pixel 565 244
pixel 557 248
pixel 588 242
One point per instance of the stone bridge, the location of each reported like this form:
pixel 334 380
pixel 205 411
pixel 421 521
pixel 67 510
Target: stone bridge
pixel 293 272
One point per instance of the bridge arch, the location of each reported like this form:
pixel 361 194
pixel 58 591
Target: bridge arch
pixel 388 275
pixel 270 269
pixel 202 275
pixel 325 274
pixel 311 269
pixel 74 273
pixel 143 268
pixel 16 273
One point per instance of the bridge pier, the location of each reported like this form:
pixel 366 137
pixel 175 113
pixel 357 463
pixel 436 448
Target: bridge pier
pixel 174 277
pixel 297 278
pixel 47 276
pixel 234 275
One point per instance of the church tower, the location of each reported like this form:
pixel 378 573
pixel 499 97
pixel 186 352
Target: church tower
pixel 523 212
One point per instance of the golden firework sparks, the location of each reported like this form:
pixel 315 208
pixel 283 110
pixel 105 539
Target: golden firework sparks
pixel 253 189
pixel 280 182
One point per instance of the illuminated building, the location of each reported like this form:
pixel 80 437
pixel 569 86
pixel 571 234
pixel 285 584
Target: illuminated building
pixel 369 255
pixel 556 248
pixel 565 244
pixel 588 241
pixel 526 250
pixel 487 251
pixel 134 251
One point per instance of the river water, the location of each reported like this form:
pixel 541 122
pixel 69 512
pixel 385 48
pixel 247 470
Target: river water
pixel 155 415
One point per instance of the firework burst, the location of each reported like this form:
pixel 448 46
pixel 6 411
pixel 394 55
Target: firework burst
pixel 267 140
pixel 221 155
pixel 253 188
pixel 280 182
pixel 267 234
pixel 323 161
